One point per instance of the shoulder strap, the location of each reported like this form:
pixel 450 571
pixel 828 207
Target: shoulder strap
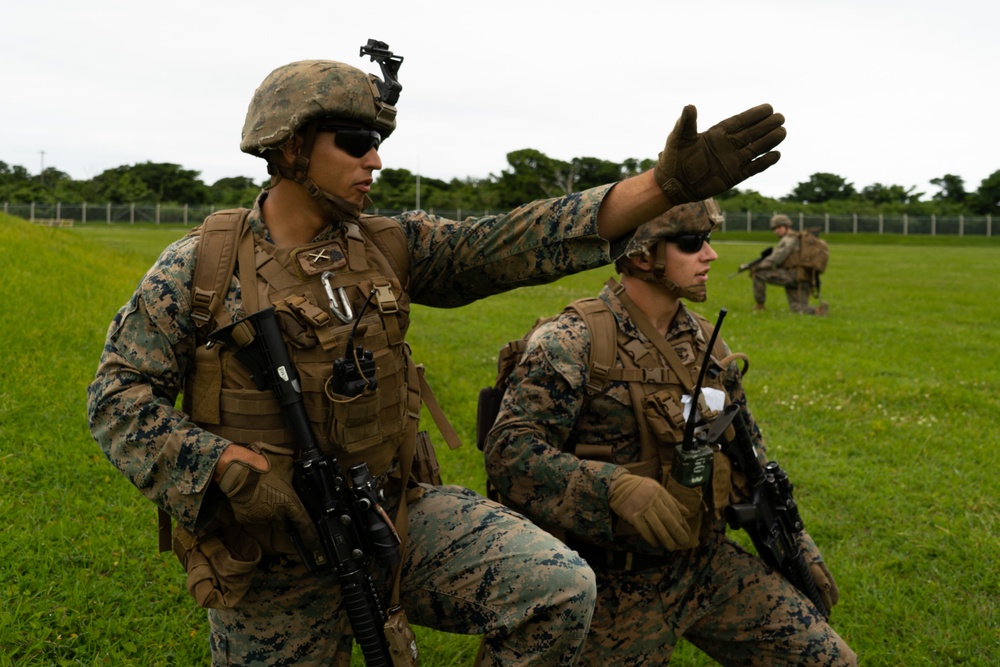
pixel 603 328
pixel 215 262
pixel 390 238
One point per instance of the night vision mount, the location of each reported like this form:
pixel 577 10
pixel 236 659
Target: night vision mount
pixel 379 52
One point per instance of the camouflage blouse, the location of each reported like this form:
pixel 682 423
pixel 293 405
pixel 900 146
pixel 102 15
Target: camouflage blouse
pixel 150 344
pixel 545 415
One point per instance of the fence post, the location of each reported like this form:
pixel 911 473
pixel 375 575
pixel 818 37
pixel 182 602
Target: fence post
pixel 185 214
pixel 156 215
pixel 6 207
pixel 906 224
pixel 826 223
pixel 131 213
pixel 749 218
pixel 881 223
pixel 109 213
pixel 989 225
pixel 933 225
pixel 961 225
pixel 58 210
pixel 854 223
pixel 83 213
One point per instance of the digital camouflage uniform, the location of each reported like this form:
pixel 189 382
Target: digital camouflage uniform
pixel 770 272
pixel 470 565
pixel 716 595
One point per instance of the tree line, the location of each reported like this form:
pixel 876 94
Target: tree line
pixel 529 175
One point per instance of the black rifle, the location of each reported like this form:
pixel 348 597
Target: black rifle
pixel 771 517
pixel 765 253
pixel 352 527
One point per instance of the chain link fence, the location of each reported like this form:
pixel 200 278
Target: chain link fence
pixel 117 214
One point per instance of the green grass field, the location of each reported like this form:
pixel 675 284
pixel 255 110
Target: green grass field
pixel 884 414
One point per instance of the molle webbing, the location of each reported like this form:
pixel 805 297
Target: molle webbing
pixel 642 370
pixel 223 398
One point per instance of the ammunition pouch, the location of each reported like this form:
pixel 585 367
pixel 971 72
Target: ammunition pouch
pixel 220 564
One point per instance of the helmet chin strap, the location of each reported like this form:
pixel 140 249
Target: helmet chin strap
pixel 336 209
pixel 658 275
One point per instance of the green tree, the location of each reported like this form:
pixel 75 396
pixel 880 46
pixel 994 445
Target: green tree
pixel 952 189
pixel 592 172
pixel 821 187
pixel 119 186
pixel 170 183
pixel 987 197
pixel 16 182
pixel 395 189
pixel 532 175
pixel 879 194
pixel 234 191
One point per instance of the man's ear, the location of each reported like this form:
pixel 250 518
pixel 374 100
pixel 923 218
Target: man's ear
pixel 291 148
pixel 642 262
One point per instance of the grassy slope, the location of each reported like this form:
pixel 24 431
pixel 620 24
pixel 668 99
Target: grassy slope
pixel 884 414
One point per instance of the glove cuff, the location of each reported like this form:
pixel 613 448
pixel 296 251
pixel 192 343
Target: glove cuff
pixel 239 480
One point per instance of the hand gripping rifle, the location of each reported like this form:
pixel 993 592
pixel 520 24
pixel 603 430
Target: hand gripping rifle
pixel 352 527
pixel 771 517
pixel 764 254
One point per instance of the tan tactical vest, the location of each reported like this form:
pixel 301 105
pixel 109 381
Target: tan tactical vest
pixel 365 258
pixel 655 389
pixel 369 257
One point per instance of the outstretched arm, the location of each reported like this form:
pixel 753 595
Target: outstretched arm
pixel 694 166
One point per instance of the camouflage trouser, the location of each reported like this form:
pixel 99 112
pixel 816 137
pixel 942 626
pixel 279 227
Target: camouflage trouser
pixel 797 291
pixel 471 566
pixel 718 597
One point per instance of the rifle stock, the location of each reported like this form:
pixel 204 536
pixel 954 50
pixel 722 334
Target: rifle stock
pixel 335 509
pixel 771 517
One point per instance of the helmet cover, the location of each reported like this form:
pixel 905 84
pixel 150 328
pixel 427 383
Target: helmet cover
pixel 295 94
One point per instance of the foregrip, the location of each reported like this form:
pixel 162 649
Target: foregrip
pixel 797 572
pixel 366 623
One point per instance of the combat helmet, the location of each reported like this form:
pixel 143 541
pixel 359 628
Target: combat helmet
pixel 295 94
pixel 699 217
pixel 779 220
pixel 295 98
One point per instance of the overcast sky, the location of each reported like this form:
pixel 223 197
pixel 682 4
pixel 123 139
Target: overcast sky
pixel 875 91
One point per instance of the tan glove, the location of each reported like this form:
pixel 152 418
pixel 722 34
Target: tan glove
pixel 266 495
pixel 651 510
pixel 697 166
pixel 817 568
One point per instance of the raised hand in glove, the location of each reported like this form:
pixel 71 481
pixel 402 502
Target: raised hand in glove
pixel 697 166
pixel 817 568
pixel 657 516
pixel 263 493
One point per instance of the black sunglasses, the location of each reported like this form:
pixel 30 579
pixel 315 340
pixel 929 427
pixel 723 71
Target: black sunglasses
pixel 355 141
pixel 690 243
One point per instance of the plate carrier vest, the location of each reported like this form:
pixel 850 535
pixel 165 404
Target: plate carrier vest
pixel 369 256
